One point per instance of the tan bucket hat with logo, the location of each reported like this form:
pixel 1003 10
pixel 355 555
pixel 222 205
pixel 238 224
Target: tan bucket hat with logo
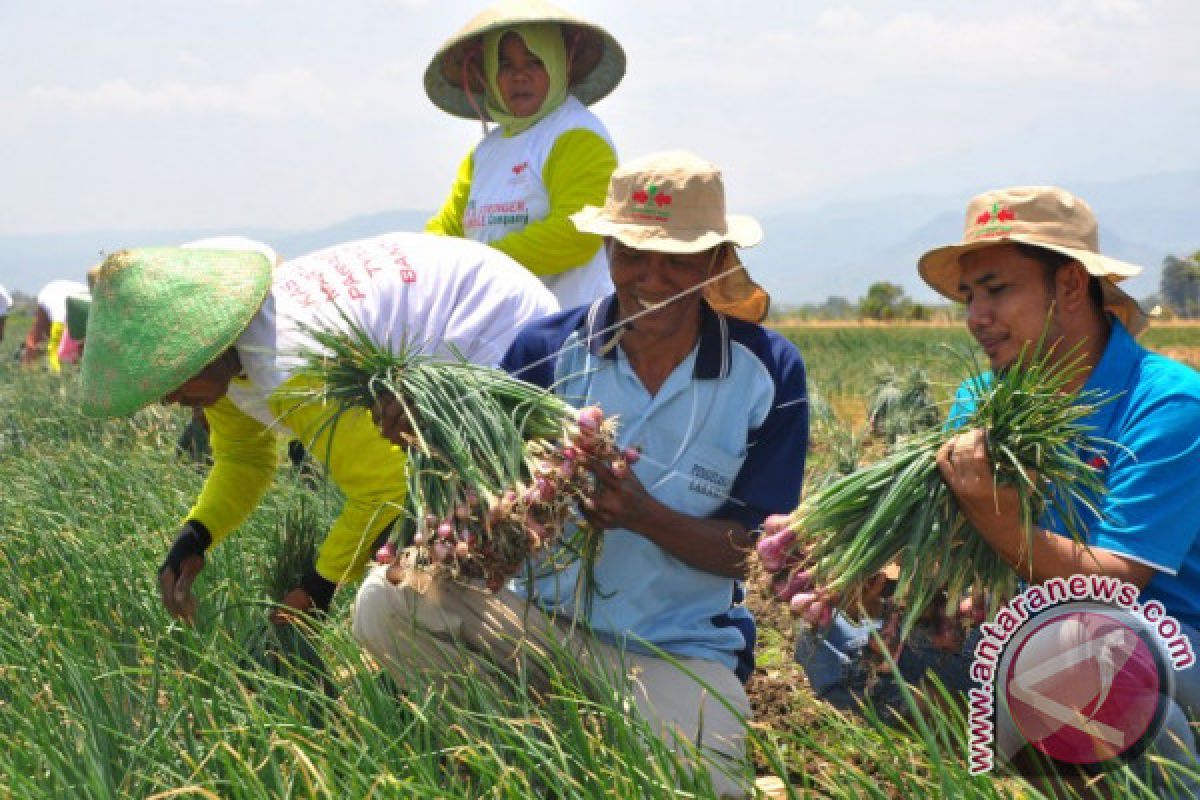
pixel 674 202
pixel 1044 216
pixel 597 62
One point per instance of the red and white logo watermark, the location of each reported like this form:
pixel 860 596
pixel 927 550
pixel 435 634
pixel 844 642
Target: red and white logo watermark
pixel 1077 668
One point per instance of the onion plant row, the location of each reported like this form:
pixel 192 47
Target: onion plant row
pixel 103 696
pixel 899 512
pixel 496 466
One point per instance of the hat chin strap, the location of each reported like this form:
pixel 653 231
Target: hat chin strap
pixel 571 56
pixel 467 64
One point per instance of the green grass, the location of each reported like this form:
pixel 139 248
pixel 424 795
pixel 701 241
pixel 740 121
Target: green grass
pixel 102 696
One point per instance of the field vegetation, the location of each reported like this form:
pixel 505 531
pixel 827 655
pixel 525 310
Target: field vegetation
pixel 102 696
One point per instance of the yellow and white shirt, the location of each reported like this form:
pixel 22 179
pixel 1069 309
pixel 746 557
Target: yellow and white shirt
pixel 52 299
pixel 445 295
pixel 517 192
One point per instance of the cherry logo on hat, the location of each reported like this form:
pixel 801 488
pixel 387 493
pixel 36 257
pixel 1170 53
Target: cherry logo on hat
pixel 650 203
pixel 993 222
pixel 651 194
pixel 997 213
pixel 519 168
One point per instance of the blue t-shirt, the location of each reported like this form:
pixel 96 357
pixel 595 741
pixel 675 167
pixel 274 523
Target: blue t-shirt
pixel 725 437
pixel 1151 474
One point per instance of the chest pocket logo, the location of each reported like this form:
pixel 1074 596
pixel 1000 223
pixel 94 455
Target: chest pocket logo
pixel 711 472
pixel 520 174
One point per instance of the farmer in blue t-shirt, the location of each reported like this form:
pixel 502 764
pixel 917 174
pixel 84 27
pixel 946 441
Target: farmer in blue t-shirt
pixel 1029 262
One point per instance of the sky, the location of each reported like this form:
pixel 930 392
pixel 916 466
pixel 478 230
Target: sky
pixel 294 114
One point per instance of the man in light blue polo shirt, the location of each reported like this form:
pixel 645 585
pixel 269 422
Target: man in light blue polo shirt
pixel 717 406
pixel 1029 263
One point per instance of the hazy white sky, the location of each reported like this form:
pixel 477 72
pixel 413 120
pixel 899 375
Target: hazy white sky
pixel 299 113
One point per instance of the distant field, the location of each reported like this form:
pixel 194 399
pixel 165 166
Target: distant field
pixel 843 357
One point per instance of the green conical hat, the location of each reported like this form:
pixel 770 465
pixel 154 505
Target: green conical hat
pixel 159 316
pixel 78 306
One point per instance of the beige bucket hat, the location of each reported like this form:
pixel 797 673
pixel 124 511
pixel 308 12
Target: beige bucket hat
pixel 1047 217
pixel 674 202
pixel 597 60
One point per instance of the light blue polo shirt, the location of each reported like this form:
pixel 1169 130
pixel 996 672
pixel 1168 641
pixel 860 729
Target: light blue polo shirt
pixel 725 437
pixel 1150 512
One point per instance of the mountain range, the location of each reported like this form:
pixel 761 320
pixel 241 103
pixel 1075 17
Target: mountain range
pixel 811 251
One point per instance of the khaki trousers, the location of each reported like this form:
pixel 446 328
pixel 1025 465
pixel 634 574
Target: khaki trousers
pixel 425 624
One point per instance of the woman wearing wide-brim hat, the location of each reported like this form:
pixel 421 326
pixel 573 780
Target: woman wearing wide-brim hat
pixel 533 69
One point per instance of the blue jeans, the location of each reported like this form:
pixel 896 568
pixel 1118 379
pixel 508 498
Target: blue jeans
pixel 839 673
pixel 1178 741
pixel 837 664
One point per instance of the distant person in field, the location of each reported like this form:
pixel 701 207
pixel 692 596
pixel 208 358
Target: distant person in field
pixel 532 68
pixel 1028 255
pixel 718 405
pixel 219 330
pixel 5 306
pixel 48 332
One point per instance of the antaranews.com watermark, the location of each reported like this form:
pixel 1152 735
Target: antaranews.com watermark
pixel 1085 681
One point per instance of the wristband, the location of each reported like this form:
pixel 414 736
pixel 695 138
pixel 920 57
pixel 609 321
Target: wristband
pixel 319 589
pixel 193 540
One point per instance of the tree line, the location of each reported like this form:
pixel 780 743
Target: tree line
pixel 1179 287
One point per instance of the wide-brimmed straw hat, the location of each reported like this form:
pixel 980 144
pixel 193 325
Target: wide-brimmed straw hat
pixel 161 315
pixel 674 202
pixel 1044 216
pixel 597 62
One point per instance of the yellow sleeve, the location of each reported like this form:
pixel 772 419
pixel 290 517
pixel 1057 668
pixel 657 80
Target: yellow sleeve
pixel 245 455
pixel 368 469
pixel 576 174
pixel 56 335
pixel 449 221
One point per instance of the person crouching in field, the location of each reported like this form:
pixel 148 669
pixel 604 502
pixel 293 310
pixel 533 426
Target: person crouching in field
pixel 220 330
pixel 5 305
pixel 48 332
pixel 717 405
pixel 1029 262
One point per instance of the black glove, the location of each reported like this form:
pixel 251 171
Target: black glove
pixel 320 590
pixel 193 540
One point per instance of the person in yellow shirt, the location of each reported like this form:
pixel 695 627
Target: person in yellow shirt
pixel 49 327
pixel 532 68
pixel 221 330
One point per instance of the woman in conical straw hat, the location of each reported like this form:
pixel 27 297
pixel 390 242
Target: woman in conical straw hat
pixel 717 405
pixel 533 69
pixel 220 330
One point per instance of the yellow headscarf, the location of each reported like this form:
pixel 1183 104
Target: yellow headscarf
pixel 544 40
